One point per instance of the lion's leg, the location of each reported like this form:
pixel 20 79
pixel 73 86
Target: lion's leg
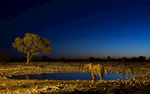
pixel 100 76
pixel 121 76
pixel 132 77
pixel 93 76
pixel 103 73
pixel 127 76
pixel 103 76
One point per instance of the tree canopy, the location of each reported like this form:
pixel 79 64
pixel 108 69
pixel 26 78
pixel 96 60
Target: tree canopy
pixel 32 44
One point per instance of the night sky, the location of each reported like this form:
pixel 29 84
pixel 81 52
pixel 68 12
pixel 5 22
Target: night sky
pixel 79 28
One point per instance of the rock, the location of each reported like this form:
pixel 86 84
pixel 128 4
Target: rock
pixel 55 87
pixel 29 91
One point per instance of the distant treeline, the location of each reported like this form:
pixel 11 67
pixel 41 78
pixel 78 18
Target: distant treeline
pixel 6 57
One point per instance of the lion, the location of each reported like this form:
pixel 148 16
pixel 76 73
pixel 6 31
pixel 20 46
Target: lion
pixel 127 70
pixel 97 69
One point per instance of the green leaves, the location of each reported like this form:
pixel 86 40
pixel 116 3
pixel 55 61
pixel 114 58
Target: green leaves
pixel 33 44
pixel 44 45
pixel 19 45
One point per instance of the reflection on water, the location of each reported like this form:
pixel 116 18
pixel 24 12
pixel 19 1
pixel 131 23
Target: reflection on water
pixel 69 76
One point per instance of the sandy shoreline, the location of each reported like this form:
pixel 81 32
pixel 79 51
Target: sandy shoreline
pixel 141 69
pixel 59 86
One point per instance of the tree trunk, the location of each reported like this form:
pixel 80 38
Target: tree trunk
pixel 28 58
pixel 27 63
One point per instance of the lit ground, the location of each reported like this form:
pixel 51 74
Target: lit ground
pixel 7 86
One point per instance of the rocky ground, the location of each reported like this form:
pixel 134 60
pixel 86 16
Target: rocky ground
pixel 9 86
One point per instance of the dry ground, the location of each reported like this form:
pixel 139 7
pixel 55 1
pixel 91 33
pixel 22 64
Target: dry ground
pixel 9 86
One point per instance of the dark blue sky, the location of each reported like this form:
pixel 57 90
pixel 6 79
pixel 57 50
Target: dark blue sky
pixel 80 28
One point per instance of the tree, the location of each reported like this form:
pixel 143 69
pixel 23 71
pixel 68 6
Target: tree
pixel 31 45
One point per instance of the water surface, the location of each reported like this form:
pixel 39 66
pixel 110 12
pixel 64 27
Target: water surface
pixel 69 76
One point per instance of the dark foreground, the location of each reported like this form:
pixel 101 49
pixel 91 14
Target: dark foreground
pixel 140 85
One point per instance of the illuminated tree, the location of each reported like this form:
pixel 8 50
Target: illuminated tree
pixel 31 45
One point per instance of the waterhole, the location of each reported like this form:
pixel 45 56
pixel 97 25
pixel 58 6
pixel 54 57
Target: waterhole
pixel 69 76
